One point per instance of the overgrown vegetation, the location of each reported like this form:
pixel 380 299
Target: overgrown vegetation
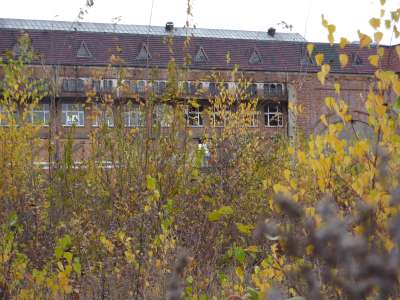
pixel 142 218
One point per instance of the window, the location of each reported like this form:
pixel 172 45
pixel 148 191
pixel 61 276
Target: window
pixel 103 115
pixel 272 89
pixel 190 88
pixel 133 116
pixel 252 90
pixel 215 88
pixel 220 118
pixel 96 85
pixel 273 115
pixel 163 115
pixel 108 85
pixel 8 117
pixel 73 115
pixel 159 87
pixel 250 118
pixel 193 116
pixel 40 114
pixel 73 85
pixel 139 86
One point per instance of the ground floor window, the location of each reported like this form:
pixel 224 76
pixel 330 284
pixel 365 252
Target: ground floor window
pixel 73 114
pixel 273 115
pixel 134 116
pixel 103 115
pixel 194 116
pixel 40 114
pixel 8 116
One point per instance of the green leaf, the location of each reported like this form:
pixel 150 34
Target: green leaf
pixel 396 105
pixel 243 228
pixel 76 266
pixel 68 257
pixel 218 214
pixel 150 183
pixel 253 293
pixel 240 255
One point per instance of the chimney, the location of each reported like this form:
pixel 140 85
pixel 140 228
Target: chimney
pixel 271 31
pixel 169 26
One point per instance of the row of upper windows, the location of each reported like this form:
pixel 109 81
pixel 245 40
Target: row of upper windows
pixel 73 114
pixel 159 87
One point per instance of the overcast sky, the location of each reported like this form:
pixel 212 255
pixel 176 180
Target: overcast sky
pixel 303 15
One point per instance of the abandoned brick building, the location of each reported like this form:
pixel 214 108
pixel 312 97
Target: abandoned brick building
pixel 77 56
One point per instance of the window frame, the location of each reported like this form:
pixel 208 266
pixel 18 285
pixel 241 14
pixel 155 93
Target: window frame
pixel 194 113
pixel 42 110
pixel 269 115
pixel 102 116
pixel 80 113
pixel 130 111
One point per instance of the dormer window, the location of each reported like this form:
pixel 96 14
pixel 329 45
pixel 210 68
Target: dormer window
pixel 255 57
pixel 83 51
pixel 356 59
pixel 144 53
pixel 201 56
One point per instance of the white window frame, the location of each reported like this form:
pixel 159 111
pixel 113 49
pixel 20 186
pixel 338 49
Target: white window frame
pixel 5 115
pixel 138 86
pixel 42 109
pixel 253 116
pixel 103 115
pixel 162 115
pixel 133 116
pixel 195 114
pixel 70 111
pixel 222 115
pixel 269 115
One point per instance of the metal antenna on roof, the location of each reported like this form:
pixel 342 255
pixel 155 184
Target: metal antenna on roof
pixel 148 34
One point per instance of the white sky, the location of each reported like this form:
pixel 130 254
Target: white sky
pixel 304 15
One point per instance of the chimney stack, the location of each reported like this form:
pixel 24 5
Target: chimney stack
pixel 169 26
pixel 271 31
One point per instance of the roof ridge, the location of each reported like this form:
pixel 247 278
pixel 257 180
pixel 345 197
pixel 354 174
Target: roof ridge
pixel 32 24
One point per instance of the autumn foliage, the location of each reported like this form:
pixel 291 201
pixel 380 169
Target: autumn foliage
pixel 143 216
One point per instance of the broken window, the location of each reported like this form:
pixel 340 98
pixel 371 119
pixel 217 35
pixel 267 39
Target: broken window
pixel 273 115
pixel 193 116
pixel 73 114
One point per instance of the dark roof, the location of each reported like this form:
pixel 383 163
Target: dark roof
pixel 61 47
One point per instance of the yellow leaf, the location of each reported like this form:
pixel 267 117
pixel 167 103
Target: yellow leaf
pixel 253 249
pixel 375 23
pixel 286 174
pixel 330 102
pixel 301 156
pixel 380 51
pixel 310 250
pixel 383 2
pixel 378 37
pixel 323 120
pixel 343 42
pixel 319 58
pixel 337 88
pixel 374 60
pixel 396 87
pixel 331 30
pixel 398 50
pixel 310 49
pixel 365 40
pixel 344 59
pixel 388 24
pixel 290 150
pixel 382 13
